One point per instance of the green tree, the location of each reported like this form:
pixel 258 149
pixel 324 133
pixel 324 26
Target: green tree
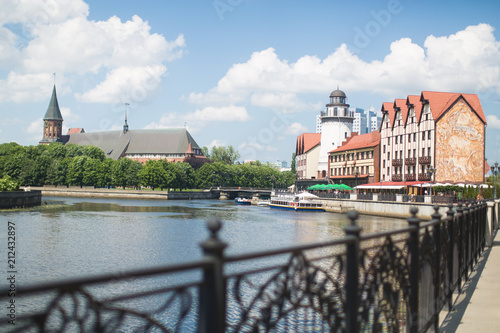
pixel 8 184
pixel 213 175
pixel 56 173
pixel 94 152
pixel 120 172
pixel 228 155
pixel 153 174
pixel 76 170
pixel 105 173
pixel 133 172
pixel 91 172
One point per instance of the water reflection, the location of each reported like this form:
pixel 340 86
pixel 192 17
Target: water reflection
pixel 71 237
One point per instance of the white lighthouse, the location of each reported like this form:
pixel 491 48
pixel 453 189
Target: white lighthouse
pixel 336 126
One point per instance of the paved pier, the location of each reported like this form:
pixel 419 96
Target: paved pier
pixel 477 309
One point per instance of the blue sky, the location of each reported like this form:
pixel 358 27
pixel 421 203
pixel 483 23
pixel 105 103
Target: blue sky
pixel 248 73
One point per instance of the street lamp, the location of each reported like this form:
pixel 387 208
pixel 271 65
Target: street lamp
pixel 356 174
pixel 431 171
pixel 495 171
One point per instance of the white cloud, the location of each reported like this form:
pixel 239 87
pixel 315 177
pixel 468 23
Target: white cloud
pixel 33 13
pixel 126 85
pixel 295 129
pixel 468 61
pixel 36 126
pixel 117 60
pixel 493 121
pixel 201 117
pixel 216 143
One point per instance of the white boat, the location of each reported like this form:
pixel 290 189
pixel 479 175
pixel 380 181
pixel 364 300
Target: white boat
pixel 299 202
pixel 263 203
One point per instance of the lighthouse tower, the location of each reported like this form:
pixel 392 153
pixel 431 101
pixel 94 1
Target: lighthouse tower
pixel 336 126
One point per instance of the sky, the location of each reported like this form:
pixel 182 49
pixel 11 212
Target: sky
pixel 252 74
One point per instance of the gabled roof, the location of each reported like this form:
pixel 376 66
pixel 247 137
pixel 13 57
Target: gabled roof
pixel 403 108
pixel 306 142
pixel 76 130
pixel 155 141
pixel 414 100
pixel 53 111
pixel 388 111
pixel 440 102
pixel 360 141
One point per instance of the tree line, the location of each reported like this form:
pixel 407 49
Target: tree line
pixel 74 165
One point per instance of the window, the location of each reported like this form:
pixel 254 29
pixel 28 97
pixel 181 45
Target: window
pixel 383 164
pixel 423 135
pixel 396 155
pixel 389 141
pixel 423 151
pixel 429 151
pixel 401 138
pixel 401 154
pixel 414 137
pixel 367 169
pixel 396 140
pixel 429 135
pixel 409 137
pixel 384 149
pixel 409 153
pixel 414 153
pixel 389 156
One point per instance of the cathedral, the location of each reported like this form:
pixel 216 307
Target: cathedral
pixel 173 145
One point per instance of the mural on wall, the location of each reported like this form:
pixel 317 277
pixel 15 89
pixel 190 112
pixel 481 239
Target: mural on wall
pixel 460 146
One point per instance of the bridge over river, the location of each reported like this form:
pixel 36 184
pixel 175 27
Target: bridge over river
pixel 400 280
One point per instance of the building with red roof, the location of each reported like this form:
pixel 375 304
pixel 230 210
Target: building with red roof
pixel 307 155
pixel 437 136
pixel 356 161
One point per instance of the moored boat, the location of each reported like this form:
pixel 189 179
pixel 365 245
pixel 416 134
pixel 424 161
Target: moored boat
pixel 243 201
pixel 298 202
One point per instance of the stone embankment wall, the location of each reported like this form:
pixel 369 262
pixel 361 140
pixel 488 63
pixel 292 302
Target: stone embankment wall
pixel 17 199
pixel 90 192
pixel 381 208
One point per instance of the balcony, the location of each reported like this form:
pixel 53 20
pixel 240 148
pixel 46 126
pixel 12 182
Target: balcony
pixel 424 177
pixel 424 160
pixel 411 161
pixel 397 178
pixel 410 177
pixel 397 162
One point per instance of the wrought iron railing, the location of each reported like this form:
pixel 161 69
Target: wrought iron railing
pixel 413 198
pixel 358 283
pixel 365 196
pixel 386 197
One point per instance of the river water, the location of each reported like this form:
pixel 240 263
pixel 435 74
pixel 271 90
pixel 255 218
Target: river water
pixel 76 237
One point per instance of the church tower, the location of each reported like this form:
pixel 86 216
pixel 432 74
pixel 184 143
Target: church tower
pixel 336 126
pixel 52 122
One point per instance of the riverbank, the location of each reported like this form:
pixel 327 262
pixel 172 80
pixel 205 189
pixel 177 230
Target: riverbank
pixel 366 207
pixel 19 199
pixel 90 192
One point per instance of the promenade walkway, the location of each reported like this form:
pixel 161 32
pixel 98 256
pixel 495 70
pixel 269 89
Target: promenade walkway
pixel 477 308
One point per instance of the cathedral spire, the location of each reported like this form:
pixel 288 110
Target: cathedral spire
pixel 53 111
pixel 125 126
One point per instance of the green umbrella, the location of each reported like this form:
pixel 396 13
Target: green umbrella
pixel 323 187
pixel 330 186
pixel 314 187
pixel 335 187
pixel 345 187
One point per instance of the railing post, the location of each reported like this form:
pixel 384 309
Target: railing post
pixel 352 274
pixel 414 252
pixel 213 289
pixel 461 244
pixel 437 266
pixel 451 254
